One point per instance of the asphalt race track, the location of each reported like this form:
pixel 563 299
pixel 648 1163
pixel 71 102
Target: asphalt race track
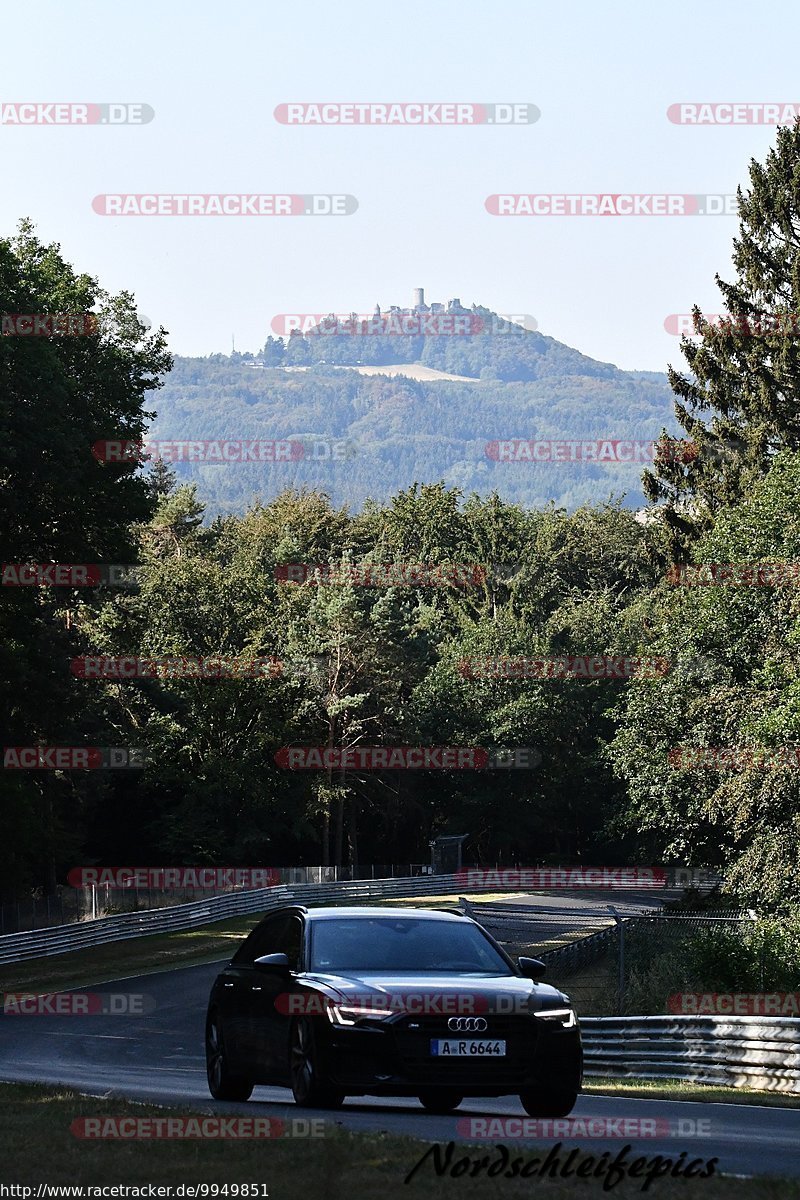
pixel 159 1057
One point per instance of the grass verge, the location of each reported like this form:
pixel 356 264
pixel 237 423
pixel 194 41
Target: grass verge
pixel 37 1146
pixel 704 1093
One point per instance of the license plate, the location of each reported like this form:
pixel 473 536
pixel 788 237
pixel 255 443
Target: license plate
pixel 468 1048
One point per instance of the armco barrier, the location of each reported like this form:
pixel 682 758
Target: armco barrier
pixel 17 947
pixel 756 1052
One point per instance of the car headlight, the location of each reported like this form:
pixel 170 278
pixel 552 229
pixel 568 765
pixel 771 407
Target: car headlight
pixel 348 1014
pixel 565 1017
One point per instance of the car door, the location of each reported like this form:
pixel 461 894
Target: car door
pixel 270 1007
pixel 250 1048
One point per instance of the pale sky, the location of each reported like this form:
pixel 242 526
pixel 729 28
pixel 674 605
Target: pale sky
pixel 603 77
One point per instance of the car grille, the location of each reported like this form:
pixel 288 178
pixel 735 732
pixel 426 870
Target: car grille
pixel 413 1036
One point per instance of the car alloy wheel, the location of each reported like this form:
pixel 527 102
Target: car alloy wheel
pixel 221 1083
pixel 308 1089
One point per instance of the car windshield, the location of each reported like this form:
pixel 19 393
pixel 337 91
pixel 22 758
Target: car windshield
pixel 401 944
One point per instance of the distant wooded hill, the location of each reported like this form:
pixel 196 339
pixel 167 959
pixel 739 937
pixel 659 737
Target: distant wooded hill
pixel 391 431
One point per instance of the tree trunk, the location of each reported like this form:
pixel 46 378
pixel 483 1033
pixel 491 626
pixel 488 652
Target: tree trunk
pixel 326 833
pixel 339 828
pixel 353 834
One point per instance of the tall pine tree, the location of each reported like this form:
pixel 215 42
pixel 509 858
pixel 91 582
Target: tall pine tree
pixel 740 402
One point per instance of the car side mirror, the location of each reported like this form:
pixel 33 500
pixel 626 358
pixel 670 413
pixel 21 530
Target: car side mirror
pixel 531 968
pixel 272 964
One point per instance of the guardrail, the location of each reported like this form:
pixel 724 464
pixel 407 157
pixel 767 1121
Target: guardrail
pixel 40 943
pixel 756 1052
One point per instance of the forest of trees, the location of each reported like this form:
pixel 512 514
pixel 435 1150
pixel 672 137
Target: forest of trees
pixel 395 431
pixel 367 665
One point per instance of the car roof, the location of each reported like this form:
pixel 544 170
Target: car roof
pixel 328 912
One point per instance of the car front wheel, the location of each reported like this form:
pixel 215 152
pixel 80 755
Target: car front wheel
pixel 222 1083
pixel 309 1088
pixel 548 1104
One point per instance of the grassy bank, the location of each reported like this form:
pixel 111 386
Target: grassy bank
pixel 667 1089
pixel 37 1146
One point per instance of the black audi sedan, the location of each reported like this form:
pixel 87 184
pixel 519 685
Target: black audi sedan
pixel 337 1002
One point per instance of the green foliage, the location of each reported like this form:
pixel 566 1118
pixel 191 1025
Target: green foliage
pixel 397 430
pixel 58 395
pixel 736 683
pixel 745 957
pixel 739 403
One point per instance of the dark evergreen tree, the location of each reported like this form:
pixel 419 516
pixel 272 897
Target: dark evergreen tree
pixel 741 401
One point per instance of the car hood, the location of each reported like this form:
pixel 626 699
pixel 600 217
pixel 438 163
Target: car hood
pixel 445 993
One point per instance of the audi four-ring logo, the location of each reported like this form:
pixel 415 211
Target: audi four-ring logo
pixel 467 1024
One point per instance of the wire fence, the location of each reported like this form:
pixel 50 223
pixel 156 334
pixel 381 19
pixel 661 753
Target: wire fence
pixel 614 959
